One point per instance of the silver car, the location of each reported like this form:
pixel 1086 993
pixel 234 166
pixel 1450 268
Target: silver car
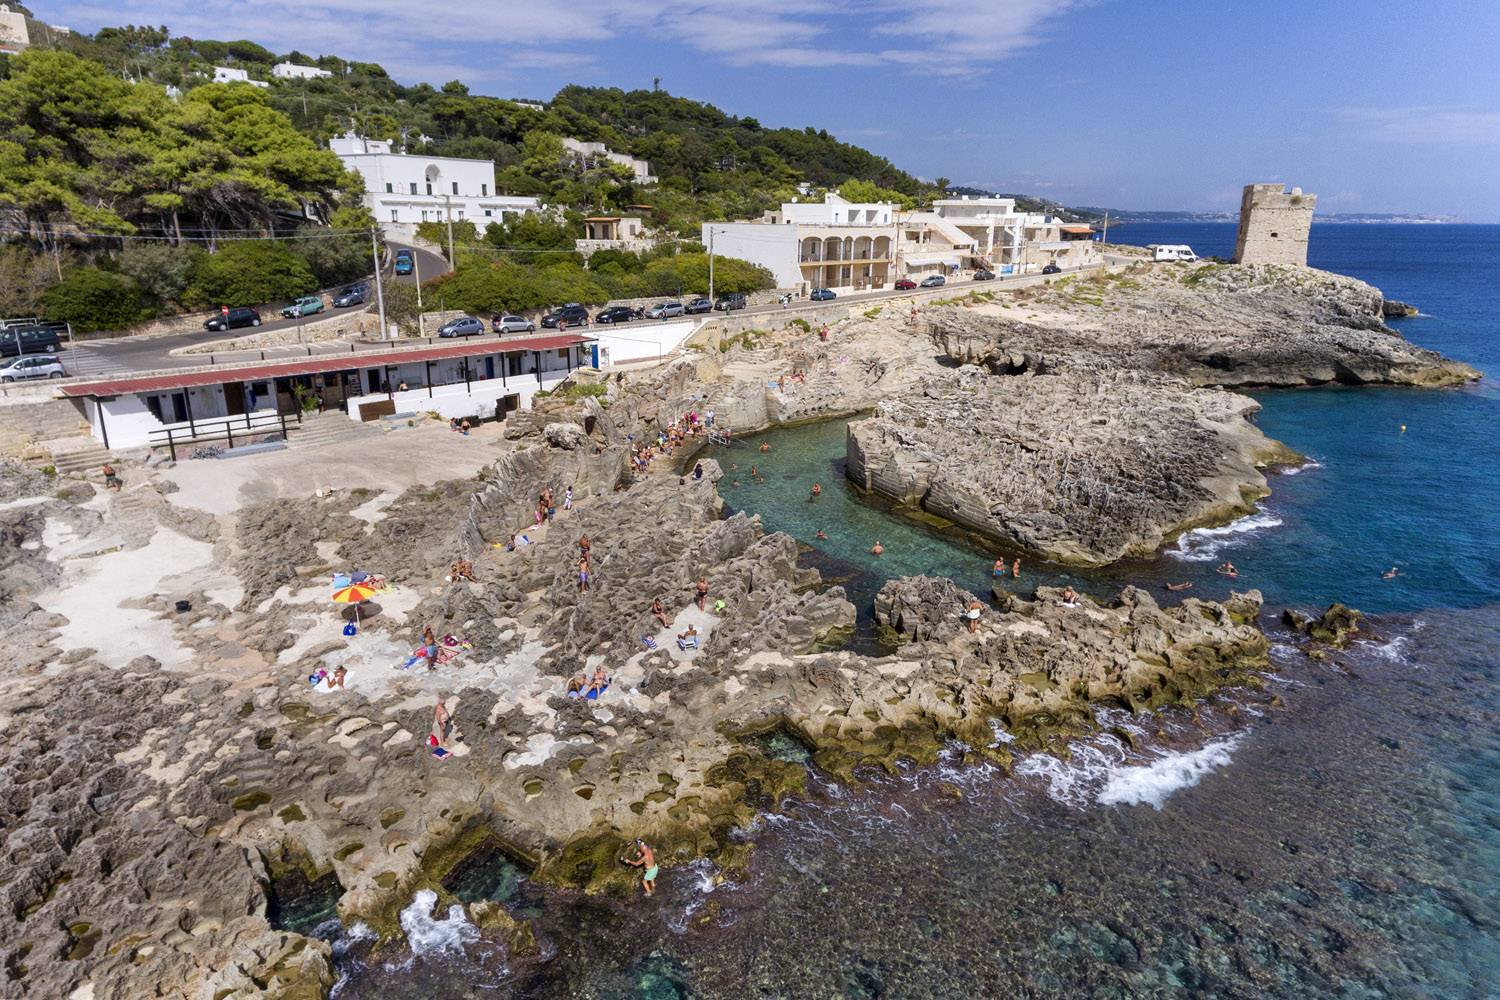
pixel 664 310
pixel 33 366
pixel 514 324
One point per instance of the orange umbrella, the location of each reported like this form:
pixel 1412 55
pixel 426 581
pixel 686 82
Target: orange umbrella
pixel 355 593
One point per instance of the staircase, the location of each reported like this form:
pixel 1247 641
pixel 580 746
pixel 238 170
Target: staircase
pixel 317 430
pixel 35 432
pixel 78 455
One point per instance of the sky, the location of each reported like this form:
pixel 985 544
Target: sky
pixel 1374 105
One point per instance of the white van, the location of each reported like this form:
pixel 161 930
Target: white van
pixel 1167 251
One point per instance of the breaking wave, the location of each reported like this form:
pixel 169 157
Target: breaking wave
pixel 428 936
pixel 1205 544
pixel 1102 774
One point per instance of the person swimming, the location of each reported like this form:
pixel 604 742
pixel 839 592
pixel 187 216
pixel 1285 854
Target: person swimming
pixel 999 567
pixel 1391 574
pixel 820 534
pixel 1226 568
pixel 877 548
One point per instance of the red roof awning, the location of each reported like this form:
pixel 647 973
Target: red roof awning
pixel 163 381
pixel 1077 229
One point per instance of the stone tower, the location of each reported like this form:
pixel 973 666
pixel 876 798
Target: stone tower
pixel 1274 224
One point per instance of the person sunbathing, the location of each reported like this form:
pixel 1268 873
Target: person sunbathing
pixel 577 685
pixel 691 633
pixel 660 612
pixel 597 683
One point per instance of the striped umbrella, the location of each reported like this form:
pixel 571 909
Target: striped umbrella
pixel 355 594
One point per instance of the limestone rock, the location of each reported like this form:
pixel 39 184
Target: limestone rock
pixel 1333 626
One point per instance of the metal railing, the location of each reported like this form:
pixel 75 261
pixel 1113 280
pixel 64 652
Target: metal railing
pixel 223 428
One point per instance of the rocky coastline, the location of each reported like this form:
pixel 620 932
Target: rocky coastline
pixel 157 811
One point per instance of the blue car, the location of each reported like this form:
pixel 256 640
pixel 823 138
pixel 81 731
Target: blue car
pixel 822 294
pixel 404 262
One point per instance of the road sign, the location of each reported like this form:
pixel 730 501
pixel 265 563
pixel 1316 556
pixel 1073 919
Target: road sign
pixel 224 310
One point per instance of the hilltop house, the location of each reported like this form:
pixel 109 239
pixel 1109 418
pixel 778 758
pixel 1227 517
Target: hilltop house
pixel 228 74
pixel 641 168
pixel 402 190
pixel 14 35
pixel 292 71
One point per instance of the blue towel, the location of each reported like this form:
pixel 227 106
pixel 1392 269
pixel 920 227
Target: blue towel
pixel 650 642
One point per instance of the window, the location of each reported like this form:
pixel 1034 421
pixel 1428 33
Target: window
pixel 486 211
pixel 460 215
pixel 429 189
pixel 424 215
pixel 393 215
pixel 413 187
pixel 455 187
pixel 388 187
pixel 484 192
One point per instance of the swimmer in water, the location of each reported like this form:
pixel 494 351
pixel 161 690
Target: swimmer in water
pixel 1391 575
pixel 1180 586
pixel 817 490
pixel 820 534
pixel 765 447
pixel 877 548
pixel 1227 568
pixel 999 567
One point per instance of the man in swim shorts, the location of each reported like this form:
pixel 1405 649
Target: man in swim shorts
pixel 645 858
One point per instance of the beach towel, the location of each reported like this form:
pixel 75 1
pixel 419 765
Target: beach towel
pixel 594 695
pixel 419 655
pixel 440 753
pixel 650 642
pixel 340 581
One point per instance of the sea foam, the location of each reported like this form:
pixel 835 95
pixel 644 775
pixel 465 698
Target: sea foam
pixel 1101 773
pixel 1205 544
pixel 427 936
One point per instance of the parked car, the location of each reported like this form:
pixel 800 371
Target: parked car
pixel 305 306
pixel 823 294
pixel 464 326
pixel 513 324
pixel 664 309
pixel 1052 269
pixel 698 305
pixel 733 300
pixel 404 262
pixel 35 339
pixel 615 314
pixel 572 314
pixel 352 295
pixel 934 281
pixel 983 275
pixel 37 366
pixel 238 316
pixel 904 284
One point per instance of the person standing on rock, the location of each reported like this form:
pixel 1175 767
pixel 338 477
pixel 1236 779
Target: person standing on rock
pixel 702 592
pixel 583 574
pixel 568 498
pixel 441 722
pixel 973 615
pixel 583 546
pixel 645 858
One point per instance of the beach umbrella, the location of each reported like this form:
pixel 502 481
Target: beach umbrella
pixel 355 594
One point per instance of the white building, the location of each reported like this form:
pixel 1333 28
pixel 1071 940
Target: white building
pixel 834 243
pixel 1011 241
pixel 291 71
pixel 640 168
pixel 402 189
pixel 228 74
pixel 14 35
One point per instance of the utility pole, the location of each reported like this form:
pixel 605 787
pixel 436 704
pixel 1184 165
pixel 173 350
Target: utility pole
pixel 416 276
pixel 448 211
pixel 710 264
pixel 1104 238
pixel 379 288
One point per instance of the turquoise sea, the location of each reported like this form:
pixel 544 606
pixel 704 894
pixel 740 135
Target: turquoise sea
pixel 1336 834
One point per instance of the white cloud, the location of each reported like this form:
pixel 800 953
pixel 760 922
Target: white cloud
pixel 940 37
pixel 1425 123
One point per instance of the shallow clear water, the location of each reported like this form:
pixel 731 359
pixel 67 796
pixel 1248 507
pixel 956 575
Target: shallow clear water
pixel 1335 835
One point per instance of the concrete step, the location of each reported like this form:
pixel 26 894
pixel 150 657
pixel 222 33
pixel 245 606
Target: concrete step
pixel 88 460
pixel 329 428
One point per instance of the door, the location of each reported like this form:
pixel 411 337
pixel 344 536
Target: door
pixel 179 408
pixel 489 366
pixel 234 398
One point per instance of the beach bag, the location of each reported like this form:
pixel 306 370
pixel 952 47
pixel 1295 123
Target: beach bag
pixel 349 629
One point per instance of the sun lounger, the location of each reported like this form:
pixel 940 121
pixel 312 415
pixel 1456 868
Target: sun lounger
pixel 691 642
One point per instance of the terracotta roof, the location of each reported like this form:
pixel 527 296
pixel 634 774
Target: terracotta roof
pixel 163 381
pixel 1077 229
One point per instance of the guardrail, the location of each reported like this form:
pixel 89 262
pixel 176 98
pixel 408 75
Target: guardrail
pixel 207 431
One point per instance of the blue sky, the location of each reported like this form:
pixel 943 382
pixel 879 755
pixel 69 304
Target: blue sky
pixel 1375 105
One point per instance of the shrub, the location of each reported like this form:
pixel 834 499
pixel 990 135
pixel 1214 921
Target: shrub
pixel 91 299
pixel 799 321
pixel 247 273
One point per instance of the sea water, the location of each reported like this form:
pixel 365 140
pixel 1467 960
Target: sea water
pixel 1336 834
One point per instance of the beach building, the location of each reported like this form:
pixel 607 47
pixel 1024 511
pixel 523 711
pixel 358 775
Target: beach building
pixel 588 150
pixel 1274 225
pixel 402 189
pixel 1010 242
pixel 930 244
pixel 834 243
pixel 486 378
pixel 292 71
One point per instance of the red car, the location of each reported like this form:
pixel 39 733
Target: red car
pixel 903 284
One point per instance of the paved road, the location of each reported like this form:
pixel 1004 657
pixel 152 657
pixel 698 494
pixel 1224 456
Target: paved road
pixel 118 357
pixel 105 358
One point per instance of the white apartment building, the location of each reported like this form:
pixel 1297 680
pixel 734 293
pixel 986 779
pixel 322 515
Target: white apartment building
pixel 292 71
pixel 403 189
pixel 928 244
pixel 1010 242
pixel 641 168
pixel 834 243
pixel 228 74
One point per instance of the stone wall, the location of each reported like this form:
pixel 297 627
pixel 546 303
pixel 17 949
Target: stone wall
pixel 1274 225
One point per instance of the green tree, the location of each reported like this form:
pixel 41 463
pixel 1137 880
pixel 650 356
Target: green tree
pixel 158 269
pixel 247 273
pixel 91 299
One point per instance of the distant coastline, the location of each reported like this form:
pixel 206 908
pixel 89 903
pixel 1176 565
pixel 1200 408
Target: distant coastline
pixel 1335 218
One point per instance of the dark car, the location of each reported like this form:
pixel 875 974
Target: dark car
pixel 353 295
pixel 615 314
pixel 983 275
pixel 404 262
pixel 238 316
pixel 904 284
pixel 1052 269
pixel 734 300
pixel 466 326
pixel 933 281
pixel 698 305
pixel 823 294
pixel 572 314
pixel 38 338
